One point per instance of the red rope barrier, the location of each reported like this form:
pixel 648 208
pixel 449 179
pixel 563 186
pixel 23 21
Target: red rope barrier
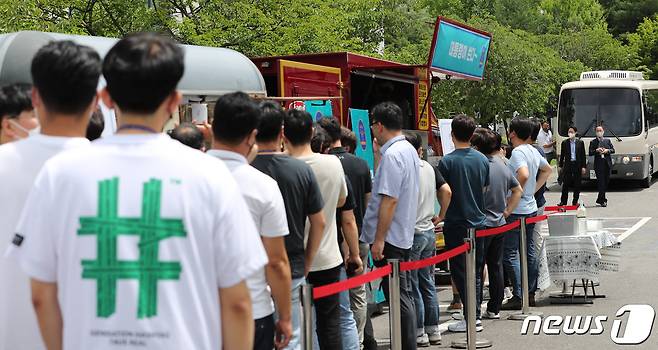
pixel 561 208
pixel 334 288
pixel 536 219
pixel 497 230
pixel 415 265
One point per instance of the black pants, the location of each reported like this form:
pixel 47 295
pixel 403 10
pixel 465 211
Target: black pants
pixel 407 308
pixel 571 177
pixel 327 309
pixel 264 335
pixel 489 250
pixel 454 237
pixel 602 180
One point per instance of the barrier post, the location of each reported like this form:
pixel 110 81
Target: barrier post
pixel 395 317
pixel 306 292
pixel 523 258
pixel 471 342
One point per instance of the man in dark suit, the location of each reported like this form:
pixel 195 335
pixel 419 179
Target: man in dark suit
pixel 574 164
pixel 601 148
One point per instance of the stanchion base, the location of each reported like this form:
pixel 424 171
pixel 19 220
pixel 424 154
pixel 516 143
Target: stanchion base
pixel 572 300
pixel 521 316
pixel 479 344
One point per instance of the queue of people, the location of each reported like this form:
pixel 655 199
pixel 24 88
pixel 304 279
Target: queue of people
pixel 139 240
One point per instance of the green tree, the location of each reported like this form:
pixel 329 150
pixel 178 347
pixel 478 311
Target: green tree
pixel 596 48
pixel 645 41
pixel 624 16
pixel 564 16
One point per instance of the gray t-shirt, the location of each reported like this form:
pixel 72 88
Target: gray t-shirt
pixel 501 181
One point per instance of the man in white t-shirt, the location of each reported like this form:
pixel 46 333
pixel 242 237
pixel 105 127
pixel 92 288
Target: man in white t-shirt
pixel 150 241
pixel 59 70
pixel 325 269
pixel 532 171
pixel 17 118
pixel 234 124
pixel 546 142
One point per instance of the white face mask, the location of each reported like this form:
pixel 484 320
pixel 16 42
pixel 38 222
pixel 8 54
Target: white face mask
pixel 599 134
pixel 29 133
pixel 572 135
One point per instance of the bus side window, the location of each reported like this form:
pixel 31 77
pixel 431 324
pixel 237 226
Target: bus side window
pixel 651 107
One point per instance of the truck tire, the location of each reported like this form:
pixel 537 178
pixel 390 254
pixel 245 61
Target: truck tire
pixel 646 183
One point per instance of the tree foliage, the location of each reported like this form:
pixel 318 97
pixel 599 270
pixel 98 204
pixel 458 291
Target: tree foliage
pixel 538 44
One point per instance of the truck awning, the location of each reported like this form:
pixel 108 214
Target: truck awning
pixel 209 71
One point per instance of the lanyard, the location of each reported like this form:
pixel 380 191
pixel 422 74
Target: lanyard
pixel 137 127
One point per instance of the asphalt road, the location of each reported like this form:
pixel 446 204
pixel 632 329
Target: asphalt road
pixel 635 283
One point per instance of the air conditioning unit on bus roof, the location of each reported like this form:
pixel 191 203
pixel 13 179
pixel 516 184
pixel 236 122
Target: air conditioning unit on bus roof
pixel 611 74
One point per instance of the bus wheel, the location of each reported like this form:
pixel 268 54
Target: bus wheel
pixel 646 183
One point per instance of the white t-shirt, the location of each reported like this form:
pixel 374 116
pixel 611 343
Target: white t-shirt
pixel 527 156
pixel 331 178
pixel 545 138
pixel 20 163
pixel 426 195
pixel 263 197
pixel 139 232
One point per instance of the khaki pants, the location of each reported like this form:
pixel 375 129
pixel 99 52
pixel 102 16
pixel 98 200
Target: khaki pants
pixel 358 297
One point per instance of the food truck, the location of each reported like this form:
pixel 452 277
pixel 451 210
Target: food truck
pixel 209 72
pixel 346 80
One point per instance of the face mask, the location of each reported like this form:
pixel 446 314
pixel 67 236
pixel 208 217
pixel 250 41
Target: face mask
pixel 599 134
pixel 572 135
pixel 253 152
pixel 29 133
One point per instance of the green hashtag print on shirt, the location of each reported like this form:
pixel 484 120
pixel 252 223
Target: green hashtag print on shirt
pixel 150 228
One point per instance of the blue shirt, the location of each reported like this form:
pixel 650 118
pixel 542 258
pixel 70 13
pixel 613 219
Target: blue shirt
pixel 397 176
pixel 467 172
pixel 527 156
pixel 572 143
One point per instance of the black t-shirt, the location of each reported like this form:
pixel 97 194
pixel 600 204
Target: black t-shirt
pixel 301 197
pixel 440 181
pixel 358 174
pixel 350 204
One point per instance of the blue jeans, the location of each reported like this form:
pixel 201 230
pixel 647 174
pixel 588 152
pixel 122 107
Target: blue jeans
pixel 511 261
pixel 295 341
pixel 423 289
pixel 348 329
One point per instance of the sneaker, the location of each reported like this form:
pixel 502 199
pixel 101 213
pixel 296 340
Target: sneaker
pixel 491 315
pixel 531 300
pixel 514 303
pixel 508 293
pixel 455 307
pixel 423 341
pixel 435 338
pixel 460 327
pixel 457 316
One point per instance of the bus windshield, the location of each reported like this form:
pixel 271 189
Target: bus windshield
pixel 618 109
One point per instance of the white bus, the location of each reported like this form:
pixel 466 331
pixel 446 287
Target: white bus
pixel 627 106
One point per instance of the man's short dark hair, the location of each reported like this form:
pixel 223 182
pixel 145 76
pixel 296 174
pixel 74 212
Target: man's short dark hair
pixel 485 141
pixel 66 76
pixel 536 127
pixel 389 115
pixel 348 139
pixel 573 127
pixel 298 127
pixel 95 126
pixel 414 139
pixel 463 127
pixel 15 99
pixel 236 116
pixel 522 127
pixel 142 70
pixel 188 134
pixel 332 127
pixel 320 141
pixel 271 121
